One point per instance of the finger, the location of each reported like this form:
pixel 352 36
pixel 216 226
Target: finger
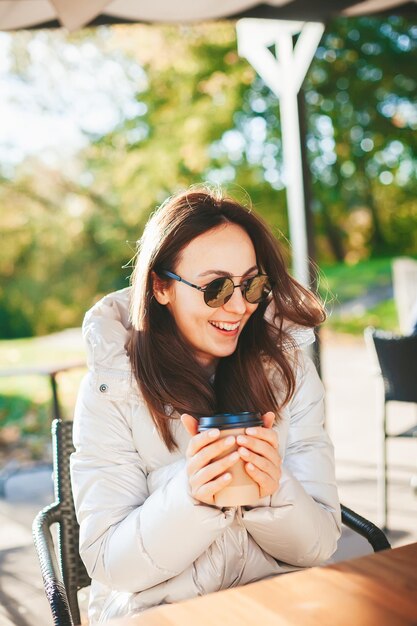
pixel 266 434
pixel 259 446
pixel 209 452
pixel 190 424
pixel 213 470
pixel 200 440
pixel 267 485
pixel 207 491
pixel 268 419
pixel 272 468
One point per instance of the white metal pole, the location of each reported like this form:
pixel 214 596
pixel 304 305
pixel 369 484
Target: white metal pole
pixel 284 75
pixel 293 171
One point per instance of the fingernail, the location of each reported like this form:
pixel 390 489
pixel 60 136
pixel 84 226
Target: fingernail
pixel 214 433
pixel 242 439
pixel 252 431
pixel 243 452
pixel 250 466
pixel 229 440
pixel 234 456
pixel 227 476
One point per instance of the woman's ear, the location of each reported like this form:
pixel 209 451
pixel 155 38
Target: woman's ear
pixel 160 289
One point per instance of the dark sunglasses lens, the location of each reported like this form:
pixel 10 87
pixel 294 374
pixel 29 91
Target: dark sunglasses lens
pixel 258 289
pixel 218 292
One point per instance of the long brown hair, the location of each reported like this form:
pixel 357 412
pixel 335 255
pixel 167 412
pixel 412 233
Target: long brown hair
pixel 168 375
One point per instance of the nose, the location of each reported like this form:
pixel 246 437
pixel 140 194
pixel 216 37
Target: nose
pixel 237 303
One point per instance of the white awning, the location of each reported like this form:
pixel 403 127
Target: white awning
pixel 74 14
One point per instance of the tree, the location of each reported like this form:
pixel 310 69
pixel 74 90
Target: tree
pixel 362 105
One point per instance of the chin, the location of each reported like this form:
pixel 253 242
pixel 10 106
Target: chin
pixel 223 353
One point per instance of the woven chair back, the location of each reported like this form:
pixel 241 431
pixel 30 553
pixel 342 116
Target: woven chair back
pixel 73 570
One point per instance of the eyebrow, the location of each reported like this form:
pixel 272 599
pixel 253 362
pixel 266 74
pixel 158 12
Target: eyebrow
pixel 223 273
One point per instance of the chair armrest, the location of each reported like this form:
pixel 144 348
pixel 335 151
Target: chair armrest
pixel 51 574
pixel 364 527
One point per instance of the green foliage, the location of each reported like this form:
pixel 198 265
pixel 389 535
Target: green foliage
pixel 12 408
pixel 361 94
pixel 32 417
pixel 25 425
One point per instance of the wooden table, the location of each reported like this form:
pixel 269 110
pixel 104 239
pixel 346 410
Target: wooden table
pixel 375 590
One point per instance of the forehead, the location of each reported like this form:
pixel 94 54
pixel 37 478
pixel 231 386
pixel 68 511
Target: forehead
pixel 227 247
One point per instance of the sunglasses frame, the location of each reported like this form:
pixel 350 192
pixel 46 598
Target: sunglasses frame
pixel 204 289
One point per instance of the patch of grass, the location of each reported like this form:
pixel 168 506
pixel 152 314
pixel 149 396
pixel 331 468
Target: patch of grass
pixel 383 315
pixel 341 282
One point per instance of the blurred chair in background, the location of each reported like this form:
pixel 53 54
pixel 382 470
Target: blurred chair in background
pixel 397 359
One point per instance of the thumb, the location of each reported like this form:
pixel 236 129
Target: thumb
pixel 268 419
pixel 190 424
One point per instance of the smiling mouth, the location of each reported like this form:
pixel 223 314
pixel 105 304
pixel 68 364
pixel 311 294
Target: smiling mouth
pixel 226 327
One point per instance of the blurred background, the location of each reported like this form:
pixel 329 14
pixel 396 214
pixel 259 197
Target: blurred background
pixel 98 127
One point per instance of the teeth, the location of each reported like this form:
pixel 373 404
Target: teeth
pixel 224 326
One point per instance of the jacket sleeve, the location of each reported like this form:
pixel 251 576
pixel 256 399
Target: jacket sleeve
pixel 300 524
pixel 131 540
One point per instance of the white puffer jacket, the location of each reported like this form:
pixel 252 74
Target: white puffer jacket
pixel 143 538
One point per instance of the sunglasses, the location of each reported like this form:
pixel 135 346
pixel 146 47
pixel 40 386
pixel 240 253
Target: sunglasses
pixel 220 290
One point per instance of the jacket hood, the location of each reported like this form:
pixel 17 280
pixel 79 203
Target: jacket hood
pixel 107 330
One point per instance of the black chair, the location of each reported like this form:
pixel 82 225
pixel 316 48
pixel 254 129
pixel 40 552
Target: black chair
pixel 65 575
pixel 397 359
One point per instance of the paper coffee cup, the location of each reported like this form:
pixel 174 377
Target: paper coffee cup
pixel 241 490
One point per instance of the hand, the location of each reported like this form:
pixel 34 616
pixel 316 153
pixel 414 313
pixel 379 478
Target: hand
pixel 259 451
pixel 206 475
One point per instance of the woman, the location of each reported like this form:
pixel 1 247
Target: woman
pixel 212 323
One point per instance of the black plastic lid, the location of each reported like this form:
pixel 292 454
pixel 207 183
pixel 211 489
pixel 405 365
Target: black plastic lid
pixel 223 421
